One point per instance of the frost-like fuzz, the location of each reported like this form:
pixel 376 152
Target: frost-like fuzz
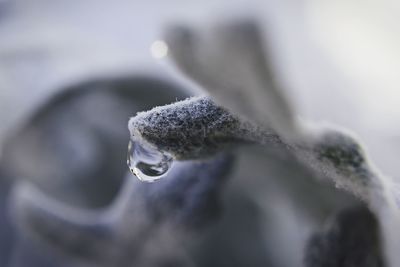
pixel 196 128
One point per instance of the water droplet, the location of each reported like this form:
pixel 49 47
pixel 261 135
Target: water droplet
pixel 146 162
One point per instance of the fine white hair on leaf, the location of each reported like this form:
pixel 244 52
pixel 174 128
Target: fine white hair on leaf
pixel 196 128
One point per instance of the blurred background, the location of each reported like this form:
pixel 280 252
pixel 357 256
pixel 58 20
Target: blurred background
pixel 73 72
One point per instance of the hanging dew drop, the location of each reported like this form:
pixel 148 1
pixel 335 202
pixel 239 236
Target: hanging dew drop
pixel 147 163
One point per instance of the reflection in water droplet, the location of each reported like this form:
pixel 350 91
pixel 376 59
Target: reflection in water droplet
pixel 146 162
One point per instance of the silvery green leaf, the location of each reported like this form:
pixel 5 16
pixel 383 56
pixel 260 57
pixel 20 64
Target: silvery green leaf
pixel 197 128
pixel 227 61
pixel 230 61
